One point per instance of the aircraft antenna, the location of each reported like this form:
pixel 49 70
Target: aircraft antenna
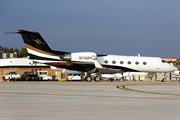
pixel 139 55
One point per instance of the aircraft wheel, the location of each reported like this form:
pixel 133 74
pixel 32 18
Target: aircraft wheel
pixel 111 79
pixel 88 78
pixel 97 79
pixel 163 80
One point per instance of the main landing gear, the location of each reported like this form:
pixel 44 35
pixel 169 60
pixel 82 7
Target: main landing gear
pixel 89 79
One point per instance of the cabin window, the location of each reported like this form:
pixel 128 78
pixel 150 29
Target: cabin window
pixel 121 62
pixel 129 62
pixel 106 61
pixel 163 61
pixel 144 63
pixel 114 62
pixel 137 63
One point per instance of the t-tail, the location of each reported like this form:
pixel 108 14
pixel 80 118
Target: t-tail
pixel 37 47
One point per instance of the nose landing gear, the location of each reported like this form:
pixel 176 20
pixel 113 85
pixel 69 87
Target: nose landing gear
pixel 164 77
pixel 163 80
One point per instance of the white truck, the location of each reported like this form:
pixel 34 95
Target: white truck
pixel 12 76
pixel 74 77
pixel 43 75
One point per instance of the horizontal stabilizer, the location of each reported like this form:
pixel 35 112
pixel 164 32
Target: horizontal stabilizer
pixel 11 33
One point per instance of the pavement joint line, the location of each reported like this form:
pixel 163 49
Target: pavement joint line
pixel 124 88
pixel 74 95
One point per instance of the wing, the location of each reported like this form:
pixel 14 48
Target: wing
pixel 104 70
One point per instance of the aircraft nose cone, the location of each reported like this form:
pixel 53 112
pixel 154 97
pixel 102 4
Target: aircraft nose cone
pixel 174 68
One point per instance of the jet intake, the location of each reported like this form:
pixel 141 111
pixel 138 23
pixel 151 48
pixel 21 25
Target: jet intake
pixel 65 57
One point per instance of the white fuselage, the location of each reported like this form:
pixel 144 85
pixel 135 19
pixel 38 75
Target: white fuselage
pixel 141 64
pixel 128 63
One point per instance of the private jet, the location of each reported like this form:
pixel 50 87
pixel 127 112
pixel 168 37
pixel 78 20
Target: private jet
pixel 175 74
pixel 90 62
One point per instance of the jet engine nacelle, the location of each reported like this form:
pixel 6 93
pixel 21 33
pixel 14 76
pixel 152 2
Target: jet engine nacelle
pixel 79 56
pixel 177 72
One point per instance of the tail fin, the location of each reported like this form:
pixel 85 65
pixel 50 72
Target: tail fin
pixel 37 47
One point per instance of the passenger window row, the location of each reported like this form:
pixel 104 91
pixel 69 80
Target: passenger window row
pixel 122 62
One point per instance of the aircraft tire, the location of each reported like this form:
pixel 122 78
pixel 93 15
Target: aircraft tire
pixel 163 80
pixel 111 79
pixel 89 79
pixel 97 79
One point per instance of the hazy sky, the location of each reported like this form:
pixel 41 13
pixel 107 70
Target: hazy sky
pixel 121 27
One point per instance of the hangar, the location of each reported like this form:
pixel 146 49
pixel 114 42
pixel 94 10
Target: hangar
pixel 21 65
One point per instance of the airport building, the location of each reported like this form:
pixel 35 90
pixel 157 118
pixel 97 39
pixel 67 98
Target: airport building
pixel 170 59
pixel 21 65
pixel 9 55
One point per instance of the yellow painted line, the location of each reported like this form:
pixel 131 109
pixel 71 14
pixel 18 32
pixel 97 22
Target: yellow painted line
pixel 74 95
pixel 124 88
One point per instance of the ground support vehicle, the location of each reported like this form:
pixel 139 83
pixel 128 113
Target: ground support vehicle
pixel 11 76
pixel 74 77
pixel 29 76
pixel 43 75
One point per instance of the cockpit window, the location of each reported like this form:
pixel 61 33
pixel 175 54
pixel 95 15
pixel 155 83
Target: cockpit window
pixel 163 61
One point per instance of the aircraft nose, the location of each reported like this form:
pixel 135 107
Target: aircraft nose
pixel 174 68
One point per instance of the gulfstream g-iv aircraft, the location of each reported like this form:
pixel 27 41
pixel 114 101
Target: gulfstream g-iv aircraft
pixel 90 62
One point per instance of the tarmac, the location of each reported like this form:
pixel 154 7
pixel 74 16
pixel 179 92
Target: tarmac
pixel 104 100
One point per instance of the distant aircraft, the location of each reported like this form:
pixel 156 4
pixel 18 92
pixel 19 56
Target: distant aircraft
pixel 175 74
pixel 90 62
pixel 112 77
pixel 116 76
